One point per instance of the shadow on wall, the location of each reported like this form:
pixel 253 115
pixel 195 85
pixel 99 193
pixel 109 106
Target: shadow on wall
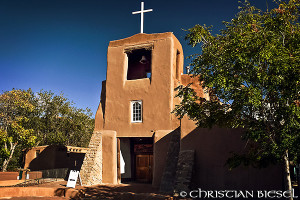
pixel 212 149
pixel 160 151
pixel 55 157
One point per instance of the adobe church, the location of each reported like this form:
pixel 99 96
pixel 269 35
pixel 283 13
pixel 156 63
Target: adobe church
pixel 138 139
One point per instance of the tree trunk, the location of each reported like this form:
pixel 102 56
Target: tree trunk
pixel 288 183
pixel 6 161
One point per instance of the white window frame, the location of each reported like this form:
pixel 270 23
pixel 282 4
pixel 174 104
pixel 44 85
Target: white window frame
pixel 132 103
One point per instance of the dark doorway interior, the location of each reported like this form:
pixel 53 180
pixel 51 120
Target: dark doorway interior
pixel 141 159
pixel 143 168
pixel 143 154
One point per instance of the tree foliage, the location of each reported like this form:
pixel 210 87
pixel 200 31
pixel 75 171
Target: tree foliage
pixel 57 121
pixel 15 107
pixel 42 118
pixel 252 72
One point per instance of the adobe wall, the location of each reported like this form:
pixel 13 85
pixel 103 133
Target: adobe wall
pixel 31 154
pixel 195 85
pixel 109 156
pixel 14 175
pixel 212 149
pixel 157 93
pixel 45 160
pixel 99 117
pixel 54 157
pixel 162 139
pixel 8 176
pixel 171 159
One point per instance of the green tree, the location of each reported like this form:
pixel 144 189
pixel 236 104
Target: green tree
pixel 57 121
pixel 42 118
pixel 251 69
pixel 15 107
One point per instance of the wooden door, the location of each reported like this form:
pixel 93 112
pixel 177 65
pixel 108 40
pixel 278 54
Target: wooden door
pixel 144 168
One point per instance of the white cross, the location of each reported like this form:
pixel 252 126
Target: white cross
pixel 142 11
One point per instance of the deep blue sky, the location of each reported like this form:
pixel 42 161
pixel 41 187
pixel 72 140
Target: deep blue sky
pixel 61 45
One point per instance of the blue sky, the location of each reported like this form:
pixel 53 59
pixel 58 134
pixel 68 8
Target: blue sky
pixel 61 45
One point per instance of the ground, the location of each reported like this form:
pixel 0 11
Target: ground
pixel 134 191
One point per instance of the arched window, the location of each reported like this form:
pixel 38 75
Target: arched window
pixel 136 111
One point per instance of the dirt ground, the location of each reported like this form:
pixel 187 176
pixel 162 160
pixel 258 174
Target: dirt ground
pixel 134 191
pixel 124 192
pixel 35 198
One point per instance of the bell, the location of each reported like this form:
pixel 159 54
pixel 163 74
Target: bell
pixel 143 60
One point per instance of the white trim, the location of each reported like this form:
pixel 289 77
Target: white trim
pixel 139 111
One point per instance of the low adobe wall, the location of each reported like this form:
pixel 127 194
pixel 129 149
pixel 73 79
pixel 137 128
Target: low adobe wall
pixel 38 192
pixel 8 176
pixel 13 175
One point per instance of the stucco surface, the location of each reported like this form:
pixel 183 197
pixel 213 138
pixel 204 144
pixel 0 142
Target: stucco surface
pixel 161 144
pixel 212 149
pixel 156 93
pixel 54 157
pixel 212 146
pixel 109 153
pixel 194 81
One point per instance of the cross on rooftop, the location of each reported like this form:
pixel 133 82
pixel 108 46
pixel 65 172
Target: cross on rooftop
pixel 142 11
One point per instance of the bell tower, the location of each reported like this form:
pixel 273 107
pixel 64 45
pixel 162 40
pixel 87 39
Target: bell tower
pixel 143 69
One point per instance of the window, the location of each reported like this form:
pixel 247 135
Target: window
pixel 139 64
pixel 136 111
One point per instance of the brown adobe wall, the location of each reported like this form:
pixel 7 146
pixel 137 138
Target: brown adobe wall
pixel 38 193
pixel 195 84
pixel 171 160
pixel 8 176
pixel 109 153
pixel 54 157
pixel 212 149
pixel 156 94
pixel 45 160
pixel 99 117
pixel 162 140
pixel 13 175
pixel 30 154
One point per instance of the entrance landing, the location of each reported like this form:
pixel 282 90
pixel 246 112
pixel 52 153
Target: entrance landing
pixel 134 191
pixel 10 182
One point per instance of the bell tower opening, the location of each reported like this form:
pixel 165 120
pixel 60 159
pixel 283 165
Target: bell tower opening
pixel 139 64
